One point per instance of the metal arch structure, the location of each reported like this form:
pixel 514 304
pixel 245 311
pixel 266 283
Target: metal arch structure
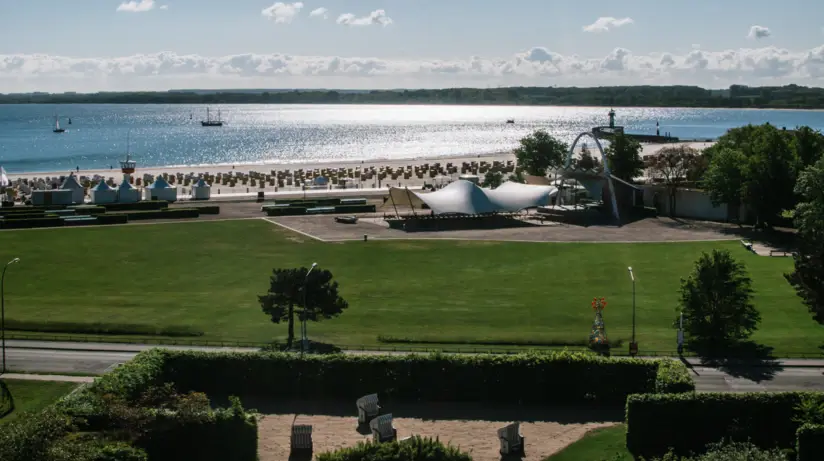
pixel 607 172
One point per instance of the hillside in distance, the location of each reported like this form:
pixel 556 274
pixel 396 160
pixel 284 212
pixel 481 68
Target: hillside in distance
pixel 737 96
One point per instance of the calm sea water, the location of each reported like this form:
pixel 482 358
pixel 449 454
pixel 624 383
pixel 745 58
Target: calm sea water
pixel 171 134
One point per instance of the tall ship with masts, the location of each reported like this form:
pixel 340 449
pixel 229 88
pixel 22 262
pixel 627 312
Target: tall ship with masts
pixel 211 121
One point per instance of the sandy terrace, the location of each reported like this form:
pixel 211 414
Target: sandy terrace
pixel 647 230
pixel 471 428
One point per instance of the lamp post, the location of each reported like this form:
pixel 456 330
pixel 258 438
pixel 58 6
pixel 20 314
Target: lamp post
pixel 633 346
pixel 304 337
pixel 3 308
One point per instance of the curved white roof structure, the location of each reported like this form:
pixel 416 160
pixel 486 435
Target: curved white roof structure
pixel 464 197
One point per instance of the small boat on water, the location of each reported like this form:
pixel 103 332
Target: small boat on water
pixel 57 128
pixel 511 120
pixel 210 121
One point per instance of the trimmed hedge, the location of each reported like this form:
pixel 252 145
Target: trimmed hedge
pixel 526 378
pixel 810 442
pixel 112 219
pixel 142 205
pixel 689 422
pixel 212 209
pixel 169 213
pixel 31 223
pixel 414 449
pixel 89 209
pixel 355 209
pixel 673 377
pixel 309 203
pixel 132 378
pixel 286 211
pixel 15 216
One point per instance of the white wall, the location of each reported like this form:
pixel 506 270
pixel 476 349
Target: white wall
pixel 689 203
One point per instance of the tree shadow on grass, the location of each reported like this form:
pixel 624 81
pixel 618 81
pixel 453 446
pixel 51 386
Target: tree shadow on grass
pixel 744 359
pixel 505 414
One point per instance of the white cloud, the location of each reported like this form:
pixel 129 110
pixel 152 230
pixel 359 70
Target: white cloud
pixel 320 12
pixel 282 13
pixel 758 32
pixel 134 6
pixel 606 23
pixel 537 66
pixel 377 17
pixel 164 7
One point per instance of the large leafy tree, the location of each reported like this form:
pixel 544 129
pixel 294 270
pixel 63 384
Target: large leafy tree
pixel 539 152
pixel 624 157
pixel 808 144
pixel 808 275
pixel 716 300
pixel 587 161
pixel 672 165
pixel 724 179
pixel 286 294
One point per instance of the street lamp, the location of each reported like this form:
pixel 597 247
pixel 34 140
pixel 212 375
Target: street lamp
pixel 304 337
pixel 3 309
pixel 633 346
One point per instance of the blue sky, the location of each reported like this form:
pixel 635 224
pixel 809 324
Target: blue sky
pixel 421 43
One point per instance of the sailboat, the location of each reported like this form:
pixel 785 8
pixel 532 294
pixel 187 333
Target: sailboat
pixel 57 128
pixel 212 122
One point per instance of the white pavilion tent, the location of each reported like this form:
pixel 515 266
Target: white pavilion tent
pixel 103 193
pixel 126 193
pixel 160 190
pixel 78 191
pixel 465 197
pixel 201 190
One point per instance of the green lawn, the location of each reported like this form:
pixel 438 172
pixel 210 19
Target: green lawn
pixel 208 275
pixel 600 445
pixel 34 395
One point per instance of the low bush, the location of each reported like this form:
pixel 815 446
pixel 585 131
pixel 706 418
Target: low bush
pixel 168 213
pixel 414 449
pixel 30 223
pixel 526 378
pixel 810 442
pixel 688 422
pixel 136 329
pixel 673 377
pixel 286 211
pixel 15 216
pixel 212 209
pixel 142 205
pixel 30 438
pixel 90 210
pixel 355 209
pixel 112 219
pixel 129 380
pixel 91 447
pixel 735 451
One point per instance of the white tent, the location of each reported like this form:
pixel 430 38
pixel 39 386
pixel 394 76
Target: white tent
pixel 4 180
pixel 160 190
pixel 464 197
pixel 201 190
pixel 103 193
pixel 126 193
pixel 78 191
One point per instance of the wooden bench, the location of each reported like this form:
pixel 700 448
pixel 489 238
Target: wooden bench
pixel 368 408
pixel 512 442
pixel 301 440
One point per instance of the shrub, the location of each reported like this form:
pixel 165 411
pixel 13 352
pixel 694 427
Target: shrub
pixel 731 452
pixel 31 223
pixel 112 219
pixel 286 211
pixel 673 377
pixel 16 216
pixel 689 422
pixel 414 449
pixel 810 442
pixel 142 205
pixel 134 377
pixel 76 447
pixel 528 378
pixel 212 209
pixel 168 213
pixel 29 438
pixel 355 209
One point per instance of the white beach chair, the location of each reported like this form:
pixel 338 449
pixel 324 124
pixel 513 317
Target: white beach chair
pixel 382 430
pixel 511 439
pixel 368 408
pixel 301 438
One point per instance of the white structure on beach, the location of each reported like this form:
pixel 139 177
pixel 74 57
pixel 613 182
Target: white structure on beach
pixel 78 191
pixel 201 190
pixel 160 190
pixel 126 192
pixel 52 197
pixel 103 193
pixel 467 198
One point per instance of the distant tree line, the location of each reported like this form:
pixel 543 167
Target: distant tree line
pixel 737 96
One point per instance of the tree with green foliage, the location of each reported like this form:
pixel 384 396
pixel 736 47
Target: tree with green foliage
pixel 587 161
pixel 716 301
pixel 624 157
pixel 539 152
pixel 808 275
pixel 724 179
pixel 808 145
pixel 291 288
pixel 671 165
pixel 493 179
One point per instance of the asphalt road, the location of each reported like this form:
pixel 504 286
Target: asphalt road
pixel 97 358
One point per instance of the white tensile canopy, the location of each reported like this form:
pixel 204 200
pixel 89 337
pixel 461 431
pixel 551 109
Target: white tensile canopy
pixel 201 190
pixel 103 193
pixel 464 197
pixel 160 189
pixel 78 191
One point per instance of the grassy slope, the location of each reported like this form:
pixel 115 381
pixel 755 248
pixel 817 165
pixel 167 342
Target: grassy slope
pixel 209 274
pixel 34 395
pixel 600 445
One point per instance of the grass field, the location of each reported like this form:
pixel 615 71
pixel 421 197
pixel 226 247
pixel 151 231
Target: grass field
pixel 600 445
pixel 34 395
pixel 206 277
